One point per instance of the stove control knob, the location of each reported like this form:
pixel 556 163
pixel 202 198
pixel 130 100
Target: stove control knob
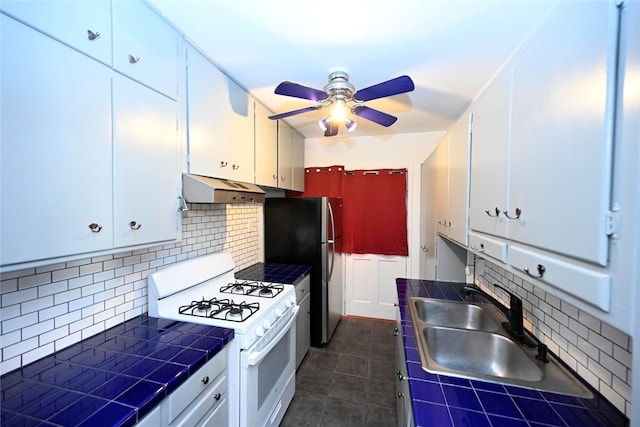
pixel 288 303
pixel 259 331
pixel 292 298
pixel 278 313
pixel 266 324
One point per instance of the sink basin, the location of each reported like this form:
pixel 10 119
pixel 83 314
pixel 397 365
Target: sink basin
pixel 480 353
pixel 455 314
pixel 467 340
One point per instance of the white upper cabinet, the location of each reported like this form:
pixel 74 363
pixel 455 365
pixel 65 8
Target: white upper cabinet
pixel 145 165
pixel 220 123
pixel 145 47
pixel 56 149
pixel 83 25
pixel 266 146
pixel 297 141
pixel 562 133
pixel 490 136
pixel 285 156
pixel 452 182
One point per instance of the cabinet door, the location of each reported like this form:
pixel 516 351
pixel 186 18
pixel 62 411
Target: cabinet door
pixel 145 47
pixel 56 148
pixel 428 219
pixel 297 142
pixel 266 147
pixel 441 166
pixel 562 133
pixel 83 25
pixel 145 165
pixel 490 135
pixel 240 119
pixel 285 156
pixel 209 132
pixel 458 211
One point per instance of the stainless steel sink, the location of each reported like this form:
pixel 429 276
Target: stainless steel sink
pixel 466 340
pixel 455 314
pixel 482 353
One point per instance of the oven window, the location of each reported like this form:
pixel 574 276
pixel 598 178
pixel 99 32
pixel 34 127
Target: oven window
pixel 272 367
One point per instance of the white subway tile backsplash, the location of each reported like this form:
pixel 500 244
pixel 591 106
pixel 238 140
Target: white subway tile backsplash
pixel 598 352
pixel 48 308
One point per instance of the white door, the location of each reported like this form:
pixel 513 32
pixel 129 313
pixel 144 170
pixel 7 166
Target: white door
pixel 371 284
pixel 428 219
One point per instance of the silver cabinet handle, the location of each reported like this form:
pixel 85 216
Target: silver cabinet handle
pixel 223 164
pixel 217 397
pixel 518 212
pixel 205 380
pixel 134 225
pixel 283 179
pixel 235 167
pixel 92 36
pixel 275 177
pixel 497 211
pixel 134 59
pixel 540 269
pixel 95 227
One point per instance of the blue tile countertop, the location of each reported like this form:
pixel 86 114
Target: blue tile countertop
pixel 274 272
pixel 440 400
pixel 111 379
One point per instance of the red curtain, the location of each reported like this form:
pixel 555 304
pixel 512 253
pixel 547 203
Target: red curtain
pixel 375 212
pixel 323 181
pixel 374 206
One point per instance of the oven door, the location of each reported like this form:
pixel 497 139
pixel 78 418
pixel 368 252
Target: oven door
pixel 267 377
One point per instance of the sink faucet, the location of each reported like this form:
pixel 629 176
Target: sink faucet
pixel 514 313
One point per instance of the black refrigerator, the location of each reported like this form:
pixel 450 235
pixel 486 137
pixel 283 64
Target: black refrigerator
pixel 308 230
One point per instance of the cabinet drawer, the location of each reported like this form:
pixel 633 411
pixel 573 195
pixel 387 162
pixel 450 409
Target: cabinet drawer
pixel 484 245
pixel 581 281
pixel 303 288
pixel 213 401
pixel 195 386
pixel 145 47
pixel 83 25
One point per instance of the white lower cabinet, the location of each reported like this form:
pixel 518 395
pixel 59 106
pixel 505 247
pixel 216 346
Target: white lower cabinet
pixel 303 321
pixel 403 403
pixel 201 401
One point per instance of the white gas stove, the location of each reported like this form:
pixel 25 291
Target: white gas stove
pixel 204 290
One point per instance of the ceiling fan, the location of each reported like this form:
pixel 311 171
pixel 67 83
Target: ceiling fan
pixel 343 95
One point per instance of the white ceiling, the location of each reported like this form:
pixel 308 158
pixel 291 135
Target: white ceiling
pixel 450 48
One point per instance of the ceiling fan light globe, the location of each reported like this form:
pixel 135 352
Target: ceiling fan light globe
pixel 350 124
pixel 323 124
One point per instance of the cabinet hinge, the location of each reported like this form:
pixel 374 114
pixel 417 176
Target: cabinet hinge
pixel 612 221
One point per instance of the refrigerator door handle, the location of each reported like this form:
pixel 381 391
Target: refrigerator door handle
pixel 331 241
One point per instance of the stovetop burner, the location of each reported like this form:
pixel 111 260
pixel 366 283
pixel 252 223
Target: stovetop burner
pixel 223 309
pixel 258 289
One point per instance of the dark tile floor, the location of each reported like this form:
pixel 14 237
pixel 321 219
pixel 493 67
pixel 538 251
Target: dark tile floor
pixel 350 382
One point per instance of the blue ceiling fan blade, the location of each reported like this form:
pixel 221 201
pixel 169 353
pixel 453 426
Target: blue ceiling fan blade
pixel 391 87
pixel 374 115
pixel 299 91
pixel 294 112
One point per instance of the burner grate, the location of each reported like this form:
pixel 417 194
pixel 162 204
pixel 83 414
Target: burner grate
pixel 258 289
pixel 223 309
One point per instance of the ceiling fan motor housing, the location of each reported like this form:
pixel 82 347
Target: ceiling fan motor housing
pixel 339 86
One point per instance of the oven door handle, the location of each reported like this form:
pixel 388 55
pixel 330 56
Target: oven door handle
pixel 255 358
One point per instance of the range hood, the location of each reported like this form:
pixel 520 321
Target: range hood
pixel 203 189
